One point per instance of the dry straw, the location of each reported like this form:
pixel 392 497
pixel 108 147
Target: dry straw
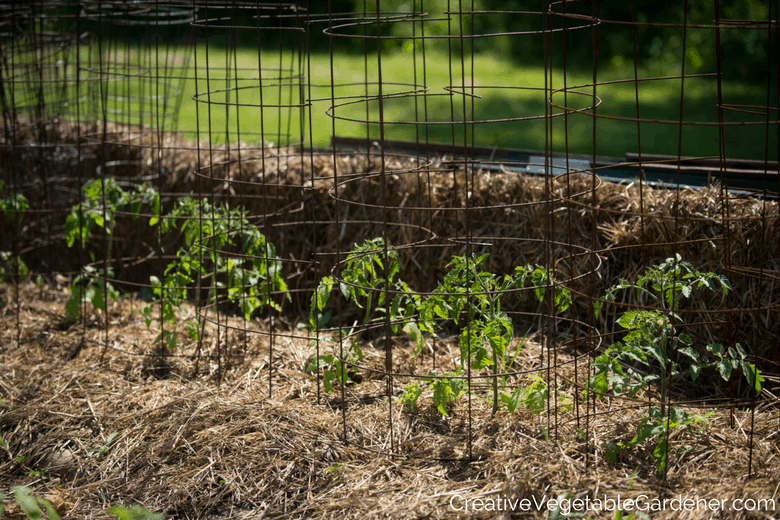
pixel 191 449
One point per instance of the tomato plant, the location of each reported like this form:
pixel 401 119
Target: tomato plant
pixel 485 336
pixel 653 342
pixel 102 199
pixel 466 291
pixel 250 275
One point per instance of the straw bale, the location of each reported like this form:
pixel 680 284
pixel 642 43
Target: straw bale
pixel 291 195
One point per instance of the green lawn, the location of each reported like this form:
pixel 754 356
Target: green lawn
pixel 659 100
pixel 131 99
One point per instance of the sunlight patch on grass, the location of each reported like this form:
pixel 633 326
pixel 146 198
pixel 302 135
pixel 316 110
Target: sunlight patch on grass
pixel 235 97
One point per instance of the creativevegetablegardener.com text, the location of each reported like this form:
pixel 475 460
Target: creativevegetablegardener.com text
pixel 642 503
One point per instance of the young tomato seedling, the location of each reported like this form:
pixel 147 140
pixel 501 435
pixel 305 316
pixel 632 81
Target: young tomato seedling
pixel 470 292
pixel 653 341
pixel 363 275
pixel 103 198
pixel 249 277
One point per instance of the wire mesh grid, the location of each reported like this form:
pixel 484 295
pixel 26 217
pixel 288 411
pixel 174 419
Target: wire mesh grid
pixel 172 151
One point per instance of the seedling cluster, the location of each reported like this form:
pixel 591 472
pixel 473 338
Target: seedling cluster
pixel 468 297
pixel 250 275
pixel 224 253
pixel 651 356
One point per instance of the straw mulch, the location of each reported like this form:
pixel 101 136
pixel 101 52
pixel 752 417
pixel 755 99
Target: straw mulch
pixel 199 436
pixel 214 444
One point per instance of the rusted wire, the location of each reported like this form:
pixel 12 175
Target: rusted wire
pixel 95 89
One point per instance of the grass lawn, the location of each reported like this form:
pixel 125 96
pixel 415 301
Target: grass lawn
pixel 505 90
pixel 658 100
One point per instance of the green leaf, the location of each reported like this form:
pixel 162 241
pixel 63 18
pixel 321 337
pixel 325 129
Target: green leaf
pixel 156 209
pixel 323 291
pixel 627 319
pixel 442 310
pixel 457 385
pixel 599 384
pixel 724 369
pixel 414 331
pixel 597 307
pixel 482 358
pixel 14 205
pixel 618 383
pixel 539 278
pixel 328 379
pixel 695 370
pixel 410 396
pixel 73 305
pixel 481 259
pixel 725 285
pixel 753 376
pixel 98 301
pixel 248 306
pixel 644 431
pixel 27 502
pixel 442 392
pixel 314 364
pixel 394 267
pixel 355 352
pixel 513 400
pixel 611 452
pixel 346 290
pixel 660 454
pixel 50 511
pixel 133 513
pixel 689 352
pixel 193 329
pixel 170 338
pixel 536 400
pixel 562 298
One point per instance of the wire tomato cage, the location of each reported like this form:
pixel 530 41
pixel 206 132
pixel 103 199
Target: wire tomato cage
pixel 240 168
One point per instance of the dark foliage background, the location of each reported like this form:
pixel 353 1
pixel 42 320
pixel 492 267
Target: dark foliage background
pixel 744 48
